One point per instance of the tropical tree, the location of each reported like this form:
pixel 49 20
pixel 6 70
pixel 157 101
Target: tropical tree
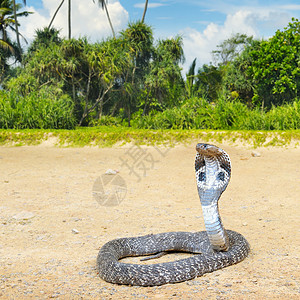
pixel 8 48
pixel 137 42
pixel 87 73
pixel 163 82
pixel 43 38
pixel 174 47
pixel 275 67
pixel 190 79
pixel 107 62
pixel 8 16
pixel 228 76
pixel 237 81
pixel 118 76
pixel 6 22
pixel 208 82
pixel 15 9
pixel 229 49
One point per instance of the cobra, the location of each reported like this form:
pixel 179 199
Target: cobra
pixel 214 248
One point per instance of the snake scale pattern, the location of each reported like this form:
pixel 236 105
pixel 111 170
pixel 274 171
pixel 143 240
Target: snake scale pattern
pixel 214 248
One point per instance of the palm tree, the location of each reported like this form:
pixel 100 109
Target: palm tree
pixel 8 16
pixel 16 23
pixel 145 10
pixel 6 21
pixel 104 6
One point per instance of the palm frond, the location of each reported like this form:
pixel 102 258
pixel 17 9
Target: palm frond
pixel 7 46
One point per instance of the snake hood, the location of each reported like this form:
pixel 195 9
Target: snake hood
pixel 213 169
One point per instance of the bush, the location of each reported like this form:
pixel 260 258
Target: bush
pixel 197 113
pixel 284 117
pixel 229 115
pixel 105 121
pixel 36 110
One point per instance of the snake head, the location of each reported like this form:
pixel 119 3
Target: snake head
pixel 213 169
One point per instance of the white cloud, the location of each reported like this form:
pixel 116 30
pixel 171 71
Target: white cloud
pixel 290 7
pixel 150 5
pixel 251 22
pixel 31 23
pixel 88 19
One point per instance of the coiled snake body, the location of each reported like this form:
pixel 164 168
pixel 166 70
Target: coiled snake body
pixel 216 247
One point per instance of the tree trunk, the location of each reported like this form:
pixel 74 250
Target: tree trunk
pixel 129 112
pixel 109 20
pixel 86 107
pixel 60 5
pixel 146 104
pixel 69 18
pixel 145 10
pixel 17 28
pixel 73 88
pixel 99 100
pixel 100 109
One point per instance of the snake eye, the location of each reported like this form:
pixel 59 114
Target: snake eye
pixel 202 176
pixel 221 176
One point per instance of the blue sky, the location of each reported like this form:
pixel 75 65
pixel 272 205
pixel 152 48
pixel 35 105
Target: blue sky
pixel 202 24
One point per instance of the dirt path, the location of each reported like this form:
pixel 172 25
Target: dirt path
pixel 52 224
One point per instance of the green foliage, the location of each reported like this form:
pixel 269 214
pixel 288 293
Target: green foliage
pixel 190 79
pixel 44 38
pixel 86 72
pixel 197 113
pixel 284 117
pixel 275 67
pixel 8 20
pixel 8 48
pixel 208 82
pixel 106 121
pixel 236 79
pixel 37 110
pixel 231 48
pixel 130 79
pixel 117 76
pixel 138 38
pixel 164 86
pixel 137 43
pixel 172 47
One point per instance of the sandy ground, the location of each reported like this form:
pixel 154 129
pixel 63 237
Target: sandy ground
pixel 58 208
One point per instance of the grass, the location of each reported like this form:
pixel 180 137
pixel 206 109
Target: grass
pixel 108 136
